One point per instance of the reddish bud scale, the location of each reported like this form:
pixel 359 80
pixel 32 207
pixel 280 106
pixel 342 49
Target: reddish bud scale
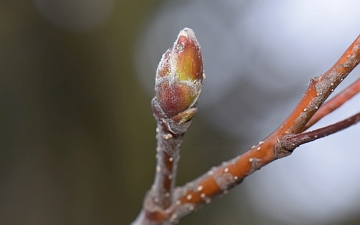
pixel 175 97
pixel 179 75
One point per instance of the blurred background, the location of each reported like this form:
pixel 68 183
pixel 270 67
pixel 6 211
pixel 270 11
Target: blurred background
pixel 77 136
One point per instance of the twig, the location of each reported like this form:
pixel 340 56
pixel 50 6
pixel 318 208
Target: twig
pixel 220 179
pixel 291 142
pixel 178 86
pixel 335 102
pixel 169 138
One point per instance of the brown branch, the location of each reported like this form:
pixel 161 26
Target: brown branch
pixel 335 103
pixel 291 142
pixel 319 89
pixel 169 138
pixel 178 85
pixel 220 179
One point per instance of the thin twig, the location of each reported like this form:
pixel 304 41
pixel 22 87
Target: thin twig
pixel 319 90
pixel 222 178
pixel 291 142
pixel 169 138
pixel 334 103
pixel 178 85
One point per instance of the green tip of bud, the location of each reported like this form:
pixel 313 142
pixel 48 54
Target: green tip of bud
pixel 179 77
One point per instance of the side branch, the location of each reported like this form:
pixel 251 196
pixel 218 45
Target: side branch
pixel 335 103
pixel 222 178
pixel 319 90
pixel 291 142
pixel 178 85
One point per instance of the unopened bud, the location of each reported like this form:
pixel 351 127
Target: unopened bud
pixel 179 77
